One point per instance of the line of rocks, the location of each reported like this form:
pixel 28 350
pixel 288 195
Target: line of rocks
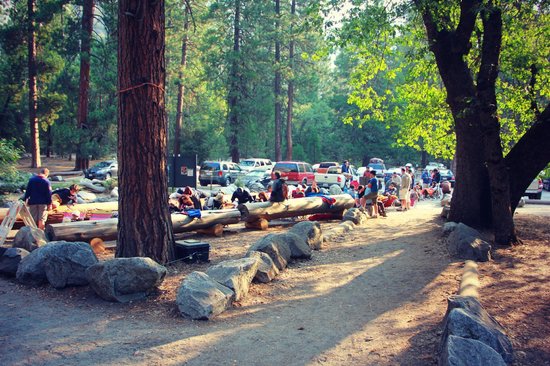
pixel 471 336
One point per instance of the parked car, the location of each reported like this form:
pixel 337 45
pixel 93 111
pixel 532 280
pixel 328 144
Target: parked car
pixel 546 184
pixel 294 172
pixel 534 191
pixel 380 169
pixel 256 164
pixel 219 172
pixel 323 167
pixel 446 174
pixel 103 170
pixel 256 176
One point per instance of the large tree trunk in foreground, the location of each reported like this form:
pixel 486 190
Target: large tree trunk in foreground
pixel 255 211
pixel 82 162
pixel 107 229
pixel 480 172
pixel 144 225
pixel 33 98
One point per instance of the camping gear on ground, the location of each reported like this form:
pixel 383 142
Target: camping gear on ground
pixel 192 251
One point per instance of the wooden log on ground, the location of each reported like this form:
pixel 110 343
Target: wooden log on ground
pixel 261 224
pixel 97 207
pixel 107 229
pixel 251 212
pixel 216 230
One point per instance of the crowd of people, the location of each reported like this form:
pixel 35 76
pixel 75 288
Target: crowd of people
pixel 40 198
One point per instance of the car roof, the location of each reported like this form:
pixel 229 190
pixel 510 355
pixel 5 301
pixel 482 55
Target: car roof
pixel 291 162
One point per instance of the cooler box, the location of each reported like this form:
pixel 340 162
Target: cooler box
pixel 192 251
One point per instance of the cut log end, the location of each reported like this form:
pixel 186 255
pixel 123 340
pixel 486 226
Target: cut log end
pixel 216 230
pixel 261 224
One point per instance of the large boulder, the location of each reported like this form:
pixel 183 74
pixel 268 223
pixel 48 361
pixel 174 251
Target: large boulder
pixel 466 318
pixel 200 297
pixel 297 244
pixel 466 243
pixel 275 247
pixel 125 279
pixel 59 262
pixel 355 215
pixel 460 351
pixel 10 259
pixel 237 274
pixel 267 270
pixel 29 238
pixel 311 232
pixel 449 227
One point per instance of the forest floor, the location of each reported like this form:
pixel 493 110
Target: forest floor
pixel 375 296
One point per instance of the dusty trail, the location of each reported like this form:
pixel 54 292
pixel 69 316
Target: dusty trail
pixel 373 297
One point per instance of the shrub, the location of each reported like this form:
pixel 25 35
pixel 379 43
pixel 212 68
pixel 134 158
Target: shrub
pixel 9 154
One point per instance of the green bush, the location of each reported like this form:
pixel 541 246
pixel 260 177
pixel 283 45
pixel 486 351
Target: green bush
pixel 9 154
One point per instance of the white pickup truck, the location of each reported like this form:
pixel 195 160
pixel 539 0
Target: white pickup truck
pixel 332 176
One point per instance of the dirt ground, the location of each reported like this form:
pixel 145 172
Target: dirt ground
pixel 375 296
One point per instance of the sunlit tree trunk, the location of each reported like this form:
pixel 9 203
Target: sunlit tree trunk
pixel 181 86
pixel 144 226
pixel 277 83
pixel 235 87
pixel 290 91
pixel 33 98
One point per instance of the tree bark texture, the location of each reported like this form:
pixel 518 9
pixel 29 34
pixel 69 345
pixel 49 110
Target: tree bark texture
pixel 290 91
pixel 181 86
pixel 144 225
pixel 476 140
pixel 277 84
pixel 33 97
pixel 235 87
pixel 82 162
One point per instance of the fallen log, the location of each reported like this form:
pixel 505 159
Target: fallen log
pixel 107 229
pixel 261 224
pixel 254 211
pixel 96 207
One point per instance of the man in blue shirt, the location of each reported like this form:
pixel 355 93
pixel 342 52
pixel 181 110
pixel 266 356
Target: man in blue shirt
pixel 373 195
pixel 38 197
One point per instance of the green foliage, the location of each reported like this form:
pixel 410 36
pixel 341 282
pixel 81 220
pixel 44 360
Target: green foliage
pixel 9 154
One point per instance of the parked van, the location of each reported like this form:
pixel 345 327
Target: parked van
pixel 295 172
pixel 255 164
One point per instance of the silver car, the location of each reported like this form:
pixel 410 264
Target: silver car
pixel 219 172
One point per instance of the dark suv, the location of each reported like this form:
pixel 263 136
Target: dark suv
pixel 219 172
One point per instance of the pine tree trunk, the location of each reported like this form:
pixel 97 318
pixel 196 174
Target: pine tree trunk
pixel 83 162
pixel 234 87
pixel 181 87
pixel 277 84
pixel 33 98
pixel 290 92
pixel 144 226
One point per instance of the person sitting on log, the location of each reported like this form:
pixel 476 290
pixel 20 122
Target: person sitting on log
pixel 279 193
pixel 312 190
pixel 298 192
pixel 65 196
pixel 242 196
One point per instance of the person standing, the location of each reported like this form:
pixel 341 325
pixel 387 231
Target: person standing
pixel 38 197
pixel 373 195
pixel 404 195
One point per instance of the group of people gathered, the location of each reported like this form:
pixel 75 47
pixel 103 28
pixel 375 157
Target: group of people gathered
pixel 40 198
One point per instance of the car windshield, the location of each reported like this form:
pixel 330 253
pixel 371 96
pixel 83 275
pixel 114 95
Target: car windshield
pixel 247 163
pixel 376 166
pixel 103 164
pixel 326 165
pixel 210 166
pixel 286 168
